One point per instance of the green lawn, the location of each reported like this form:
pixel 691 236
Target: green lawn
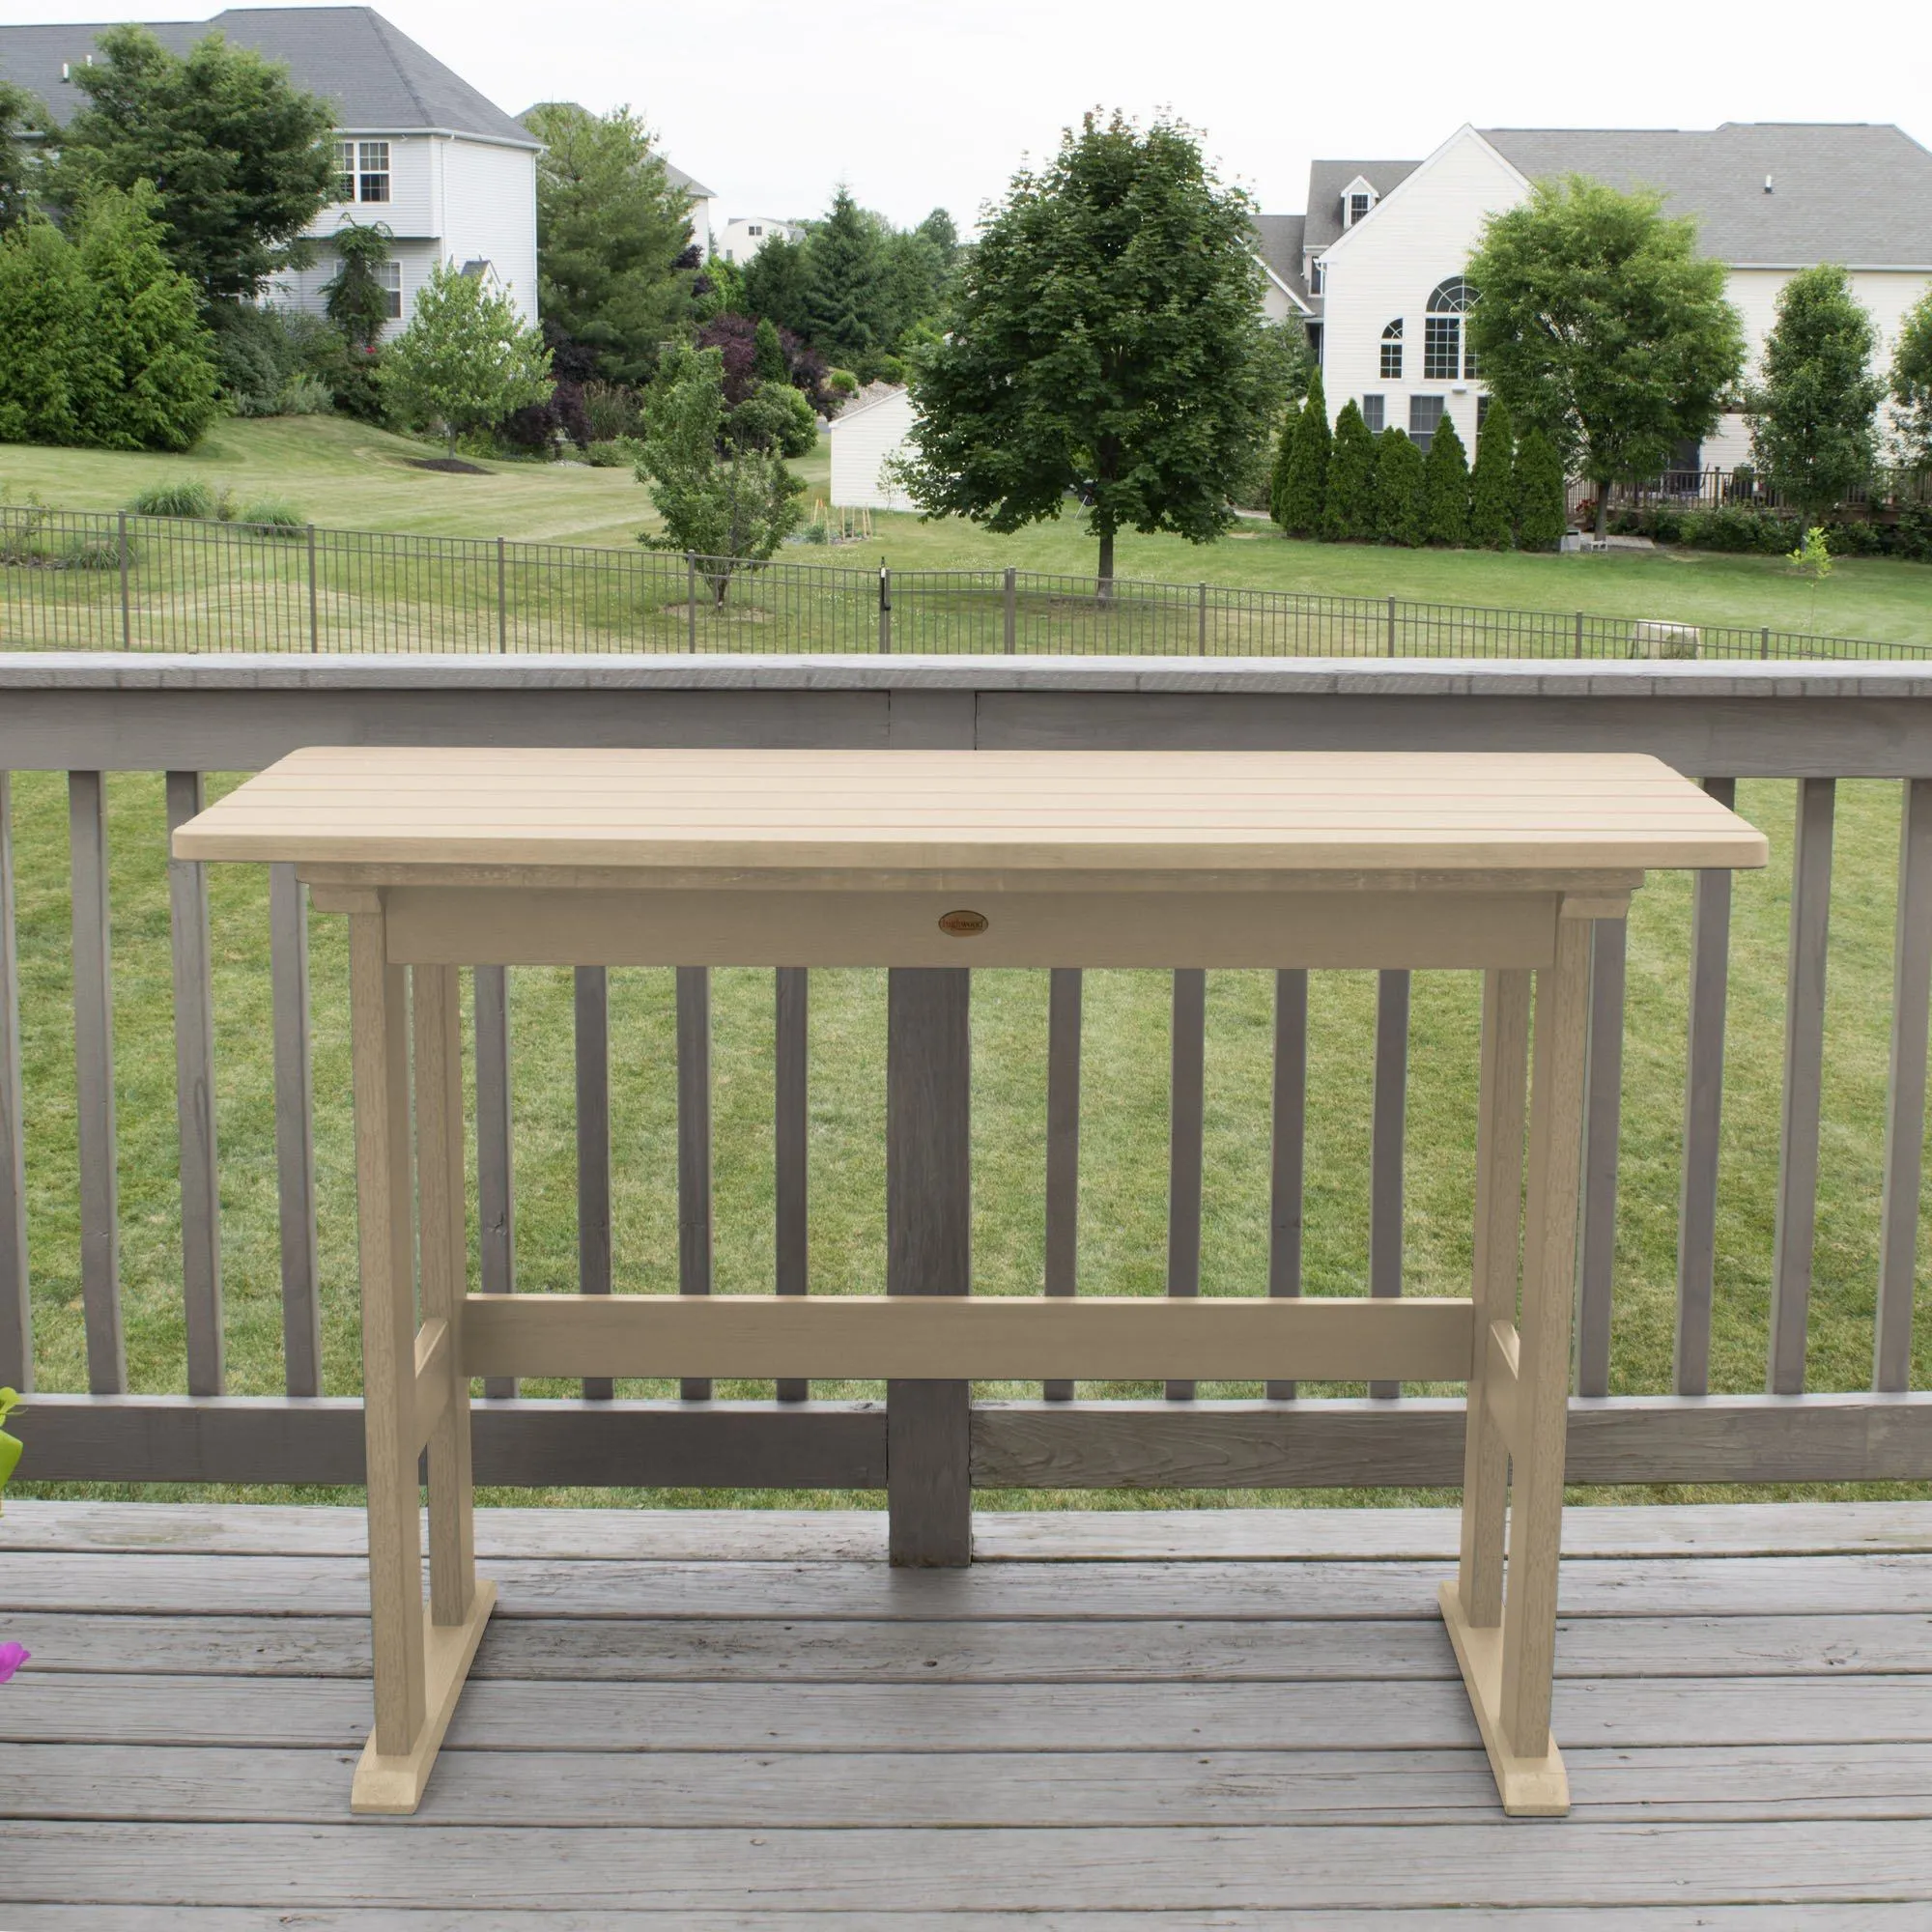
pixel 1123 1215
pixel 348 476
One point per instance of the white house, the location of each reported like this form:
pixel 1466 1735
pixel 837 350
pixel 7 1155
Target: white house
pixel 743 234
pixel 1383 245
pixel 865 435
pixel 416 148
pixel 703 203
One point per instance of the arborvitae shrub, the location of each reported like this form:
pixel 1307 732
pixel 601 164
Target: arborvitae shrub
pixel 1349 514
pixel 1399 471
pixel 1284 462
pixel 1492 521
pixel 1445 488
pixel 1307 486
pixel 1542 513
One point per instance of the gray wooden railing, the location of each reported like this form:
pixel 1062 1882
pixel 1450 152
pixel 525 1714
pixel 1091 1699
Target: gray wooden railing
pixel 186 717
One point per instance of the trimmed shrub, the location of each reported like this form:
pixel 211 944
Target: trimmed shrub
pixel 1492 524
pixel 1399 473
pixel 181 497
pixel 1305 488
pixel 1445 488
pixel 1348 515
pixel 1541 515
pixel 1284 462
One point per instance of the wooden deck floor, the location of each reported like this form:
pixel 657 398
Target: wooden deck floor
pixel 1113 1722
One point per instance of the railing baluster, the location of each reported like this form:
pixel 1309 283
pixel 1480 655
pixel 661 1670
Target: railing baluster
pixel 594 1145
pixel 694 1146
pixel 1804 1078
pixel 1184 1158
pixel 1387 1132
pixel 495 1167
pixel 195 1099
pixel 1289 1147
pixel 1064 985
pixel 295 1132
pixel 791 1141
pixel 1905 1095
pixel 1603 1083
pixel 1703 1116
pixel 94 1086
pixel 16 1312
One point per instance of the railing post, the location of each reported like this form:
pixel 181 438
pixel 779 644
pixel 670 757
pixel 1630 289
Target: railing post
pixel 884 611
pixel 314 614
pixel 1065 986
pixel 1201 626
pixel 1288 1153
pixel 691 601
pixel 790 1136
pixel 295 1132
pixel 1388 1131
pixel 1905 1094
pixel 502 604
pixel 1186 1089
pixel 694 1146
pixel 496 1170
pixel 1580 634
pixel 928 1251
pixel 594 1145
pixel 1012 610
pixel 1391 627
pixel 1603 1088
pixel 126 610
pixel 16 1320
pixel 1764 643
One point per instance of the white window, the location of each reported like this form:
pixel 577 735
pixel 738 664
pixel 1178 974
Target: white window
pixel 753 229
pixel 1358 206
pixel 345 171
pixel 1442 359
pixel 1391 370
pixel 1374 414
pixel 390 275
pixel 1317 275
pixel 372 171
pixel 1425 413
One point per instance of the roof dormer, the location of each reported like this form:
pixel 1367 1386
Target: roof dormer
pixel 1358 198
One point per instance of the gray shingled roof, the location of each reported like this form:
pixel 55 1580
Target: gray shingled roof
pixel 1278 240
pixel 1327 179
pixel 378 77
pixel 1858 193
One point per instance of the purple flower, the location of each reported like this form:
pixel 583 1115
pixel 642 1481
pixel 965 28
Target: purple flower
pixel 12 1657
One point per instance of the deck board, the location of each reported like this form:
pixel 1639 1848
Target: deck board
pixel 1217 1718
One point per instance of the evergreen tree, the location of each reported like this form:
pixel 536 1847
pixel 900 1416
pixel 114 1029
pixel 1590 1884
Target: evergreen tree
pixel 772 284
pixel 44 315
pixel 355 298
pixel 845 286
pixel 1813 432
pixel 1284 464
pixel 1399 471
pixel 1492 487
pixel 20 115
pixel 1349 516
pixel 768 359
pixel 1445 488
pixel 148 379
pixel 1307 489
pixel 1542 513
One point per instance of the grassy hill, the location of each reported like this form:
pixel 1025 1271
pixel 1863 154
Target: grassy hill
pixel 350 476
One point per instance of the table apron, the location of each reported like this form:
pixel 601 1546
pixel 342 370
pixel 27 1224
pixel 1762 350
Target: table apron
pixel 455 925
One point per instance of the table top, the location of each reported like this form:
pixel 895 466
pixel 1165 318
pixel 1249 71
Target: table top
pixel 1147 812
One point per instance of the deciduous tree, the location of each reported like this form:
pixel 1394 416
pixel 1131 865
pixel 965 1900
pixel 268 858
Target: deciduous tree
pixel 1349 516
pixel 239 159
pixel 1912 382
pixel 1814 412
pixel 467 360
pixel 1445 488
pixel 1492 482
pixel 1103 347
pixel 611 232
pixel 1599 324
pixel 1398 489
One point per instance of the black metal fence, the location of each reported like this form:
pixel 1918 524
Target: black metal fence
pixel 1886 491
pixel 104 581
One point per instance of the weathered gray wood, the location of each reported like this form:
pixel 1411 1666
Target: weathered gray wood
pixel 16 1311
pixel 1065 986
pixel 1804 1084
pixel 592 1010
pixel 694 1146
pixel 1127 1591
pixel 1387 1133
pixel 1047 1536
pixel 1106 1789
pixel 94 1085
pixel 195 1099
pixel 496 1145
pixel 1072 1649
pixel 791 1145
pixel 1905 1093
pixel 1174 1869
pixel 1816 1439
pixel 1703 1115
pixel 295 1133
pixel 930 1251
pixel 1188 1052
pixel 1288 1148
pixel 1604 1080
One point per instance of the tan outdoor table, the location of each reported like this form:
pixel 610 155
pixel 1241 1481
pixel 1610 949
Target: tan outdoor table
pixel 450 858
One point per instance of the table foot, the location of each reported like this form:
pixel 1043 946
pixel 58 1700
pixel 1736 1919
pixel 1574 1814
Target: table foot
pixel 392 1787
pixel 1531 1787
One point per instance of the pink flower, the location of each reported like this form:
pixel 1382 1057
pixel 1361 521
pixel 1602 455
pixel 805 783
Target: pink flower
pixel 12 1657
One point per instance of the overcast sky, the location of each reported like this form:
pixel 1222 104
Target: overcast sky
pixel 923 103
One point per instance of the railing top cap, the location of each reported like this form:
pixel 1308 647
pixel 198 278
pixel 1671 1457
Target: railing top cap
pixel 1356 677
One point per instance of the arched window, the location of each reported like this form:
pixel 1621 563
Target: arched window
pixel 1392 351
pixel 1442 330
